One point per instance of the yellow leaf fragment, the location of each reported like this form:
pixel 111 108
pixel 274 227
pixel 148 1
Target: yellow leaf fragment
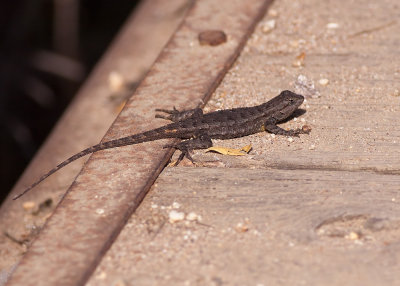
pixel 230 151
pixel 246 148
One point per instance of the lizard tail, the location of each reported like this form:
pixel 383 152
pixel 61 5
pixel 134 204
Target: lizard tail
pixel 128 140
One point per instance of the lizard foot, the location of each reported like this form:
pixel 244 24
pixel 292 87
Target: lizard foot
pixel 184 153
pixel 175 115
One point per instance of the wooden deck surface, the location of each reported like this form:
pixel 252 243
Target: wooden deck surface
pixel 322 209
pixel 260 226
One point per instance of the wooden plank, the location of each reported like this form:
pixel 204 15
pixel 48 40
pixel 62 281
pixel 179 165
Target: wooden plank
pixel 270 227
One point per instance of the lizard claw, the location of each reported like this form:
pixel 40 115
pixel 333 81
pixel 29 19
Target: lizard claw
pixel 183 155
pixel 180 158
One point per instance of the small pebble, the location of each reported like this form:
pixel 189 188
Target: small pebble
pixel 102 275
pixel 175 216
pixel 192 216
pixel 272 13
pixel 332 25
pixel 268 26
pixel 241 227
pixel 299 61
pixel 323 81
pixel 115 81
pixel 29 205
pixel 176 205
pixel 212 38
pixel 306 128
pixel 353 236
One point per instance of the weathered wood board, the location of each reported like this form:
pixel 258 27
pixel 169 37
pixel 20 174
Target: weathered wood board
pixel 261 227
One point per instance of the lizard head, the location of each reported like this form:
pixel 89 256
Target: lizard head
pixel 286 102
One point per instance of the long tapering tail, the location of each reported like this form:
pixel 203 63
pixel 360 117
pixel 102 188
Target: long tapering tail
pixel 129 140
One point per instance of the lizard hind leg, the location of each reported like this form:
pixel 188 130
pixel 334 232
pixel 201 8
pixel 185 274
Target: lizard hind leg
pixel 175 115
pixel 200 142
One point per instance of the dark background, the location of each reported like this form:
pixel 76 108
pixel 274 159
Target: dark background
pixel 47 49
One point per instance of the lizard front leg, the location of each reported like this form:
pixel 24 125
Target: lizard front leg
pixel 202 141
pixel 176 115
pixel 271 127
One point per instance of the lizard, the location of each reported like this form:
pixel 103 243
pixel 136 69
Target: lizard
pixel 197 129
